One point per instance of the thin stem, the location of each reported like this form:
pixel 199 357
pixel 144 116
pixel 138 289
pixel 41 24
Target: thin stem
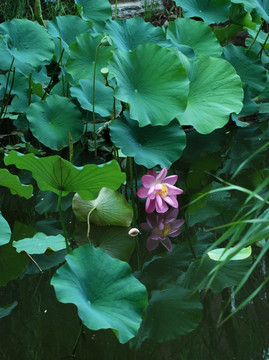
pixel 62 221
pixel 116 8
pixel 250 46
pixel 30 89
pixel 8 76
pixel 93 99
pixel 263 45
pixel 35 263
pixel 77 339
pixel 89 224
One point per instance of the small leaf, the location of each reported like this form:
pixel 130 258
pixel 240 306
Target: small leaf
pixel 14 184
pixel 60 176
pixel 105 292
pixel 7 310
pixel 109 208
pixel 5 231
pixel 40 243
pixel 222 254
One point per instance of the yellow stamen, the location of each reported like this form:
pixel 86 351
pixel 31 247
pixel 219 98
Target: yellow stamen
pixel 163 192
pixel 165 231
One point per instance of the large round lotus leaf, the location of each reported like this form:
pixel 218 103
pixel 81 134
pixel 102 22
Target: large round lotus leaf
pixel 211 11
pixel 80 63
pixel 26 41
pixel 60 176
pixel 150 145
pixel 104 96
pixel 15 186
pixel 40 243
pixel 195 34
pixel 52 120
pixel 5 231
pixel 12 264
pixel 215 92
pixel 248 66
pixel 127 34
pixel 171 312
pixel 152 80
pixel 96 11
pixel 261 6
pixel 109 208
pixel 104 290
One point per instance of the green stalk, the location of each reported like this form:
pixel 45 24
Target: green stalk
pixel 30 89
pixel 5 94
pixel 62 221
pixel 263 45
pixel 38 13
pixel 116 8
pixel 93 99
pixel 250 46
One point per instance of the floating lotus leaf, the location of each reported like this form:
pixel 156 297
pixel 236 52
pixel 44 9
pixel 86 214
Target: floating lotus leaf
pixel 12 264
pixel 5 231
pixel 52 120
pixel 156 90
pixel 215 92
pixel 212 11
pixel 261 6
pixel 96 11
pixel 127 34
pixel 248 66
pixel 171 312
pixel 222 254
pixel 150 145
pixel 15 186
pixel 40 243
pixel 109 208
pixel 17 40
pixel 104 96
pixel 7 310
pixel 80 63
pixel 195 34
pixel 104 290
pixel 60 176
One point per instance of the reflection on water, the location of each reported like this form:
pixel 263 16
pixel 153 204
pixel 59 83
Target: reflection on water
pixel 161 228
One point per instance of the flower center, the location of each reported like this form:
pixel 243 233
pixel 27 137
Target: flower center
pixel 165 231
pixel 163 192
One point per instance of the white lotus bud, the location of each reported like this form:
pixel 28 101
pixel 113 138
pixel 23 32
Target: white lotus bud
pixel 133 232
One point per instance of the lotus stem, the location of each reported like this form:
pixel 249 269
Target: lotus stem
pixel 38 13
pixel 93 99
pixel 62 220
pixel 30 89
pixel 250 46
pixel 116 8
pixel 5 94
pixel 263 45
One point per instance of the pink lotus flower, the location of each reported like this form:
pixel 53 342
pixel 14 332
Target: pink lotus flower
pixel 159 191
pixel 161 226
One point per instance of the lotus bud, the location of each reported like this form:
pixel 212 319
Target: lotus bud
pixel 106 41
pixel 133 232
pixel 105 72
pixel 166 23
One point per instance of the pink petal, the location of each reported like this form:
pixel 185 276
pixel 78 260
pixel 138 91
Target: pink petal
pixel 152 173
pixel 173 190
pixel 170 179
pixel 148 180
pixel 150 205
pixel 158 187
pixel 159 201
pixel 145 227
pixel 163 208
pixel 161 175
pixel 175 233
pixel 171 215
pixel 142 192
pixel 167 244
pixel 152 244
pixel 172 201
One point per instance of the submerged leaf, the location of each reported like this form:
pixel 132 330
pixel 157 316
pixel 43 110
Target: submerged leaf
pixel 109 208
pixel 15 186
pixel 60 176
pixel 105 292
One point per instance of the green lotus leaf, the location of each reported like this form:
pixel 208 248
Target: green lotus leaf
pixel 52 120
pixel 261 6
pixel 127 34
pixel 5 231
pixel 105 292
pixel 104 96
pixel 40 243
pixel 17 40
pixel 248 66
pixel 7 310
pixel 80 63
pixel 96 11
pixel 150 145
pixel 12 264
pixel 195 34
pixel 211 11
pixel 171 312
pixel 15 186
pixel 109 208
pixel 156 90
pixel 60 176
pixel 221 254
pixel 215 92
